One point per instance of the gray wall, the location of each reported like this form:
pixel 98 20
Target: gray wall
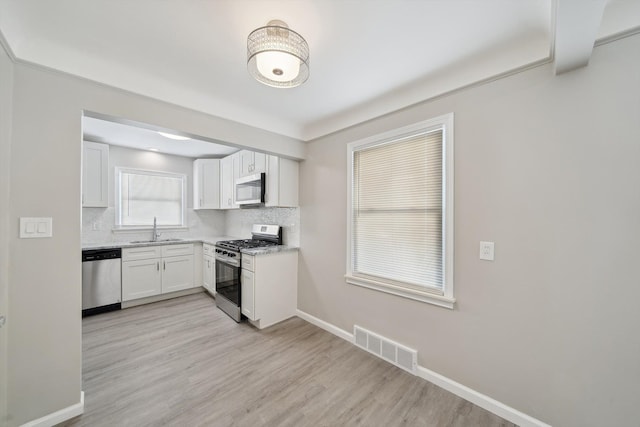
pixel 547 167
pixel 44 274
pixel 6 105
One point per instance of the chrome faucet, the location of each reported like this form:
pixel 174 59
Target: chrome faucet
pixel 155 230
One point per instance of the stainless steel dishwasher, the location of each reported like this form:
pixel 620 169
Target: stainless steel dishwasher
pixel 101 280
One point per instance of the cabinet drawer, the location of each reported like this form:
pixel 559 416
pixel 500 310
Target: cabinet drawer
pixel 146 252
pixel 207 249
pixel 248 262
pixel 175 250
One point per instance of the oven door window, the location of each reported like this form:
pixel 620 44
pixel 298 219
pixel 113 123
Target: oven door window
pixel 228 281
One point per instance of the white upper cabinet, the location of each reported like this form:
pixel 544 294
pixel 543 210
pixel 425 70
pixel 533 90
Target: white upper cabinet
pixel 252 163
pixel 229 172
pixel 282 182
pixel 206 184
pixel 95 175
pixel 281 178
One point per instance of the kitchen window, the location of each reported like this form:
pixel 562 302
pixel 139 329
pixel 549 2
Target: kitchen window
pixel 400 212
pixel 143 195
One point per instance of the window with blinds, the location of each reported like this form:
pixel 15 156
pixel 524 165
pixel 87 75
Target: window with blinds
pixel 398 211
pixel 144 195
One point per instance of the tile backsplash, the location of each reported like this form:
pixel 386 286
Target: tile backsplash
pixel 98 224
pixel 239 222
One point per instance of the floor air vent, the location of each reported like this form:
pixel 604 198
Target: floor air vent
pixel 401 356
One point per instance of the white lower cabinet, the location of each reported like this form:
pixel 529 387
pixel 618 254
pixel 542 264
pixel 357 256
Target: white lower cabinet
pixel 269 287
pixel 208 268
pixel 177 273
pixel 247 293
pixel 155 270
pixel 141 278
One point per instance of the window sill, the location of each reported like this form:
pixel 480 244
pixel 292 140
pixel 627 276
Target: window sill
pixel 414 294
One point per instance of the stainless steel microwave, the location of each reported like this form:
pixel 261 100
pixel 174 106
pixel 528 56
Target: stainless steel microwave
pixel 250 190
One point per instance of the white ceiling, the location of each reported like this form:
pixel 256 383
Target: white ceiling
pixel 368 57
pixel 145 137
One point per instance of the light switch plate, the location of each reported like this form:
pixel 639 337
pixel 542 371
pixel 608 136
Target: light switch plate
pixel 36 228
pixel 486 251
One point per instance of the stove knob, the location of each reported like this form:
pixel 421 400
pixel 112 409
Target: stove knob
pixel 225 253
pixel 232 255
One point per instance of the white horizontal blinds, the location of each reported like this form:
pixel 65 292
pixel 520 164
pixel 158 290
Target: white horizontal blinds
pixel 397 210
pixel 145 196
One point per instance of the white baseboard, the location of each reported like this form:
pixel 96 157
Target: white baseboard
pixel 59 416
pixel 482 400
pixel 475 397
pixel 326 326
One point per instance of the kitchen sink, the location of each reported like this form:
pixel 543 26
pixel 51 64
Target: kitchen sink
pixel 157 241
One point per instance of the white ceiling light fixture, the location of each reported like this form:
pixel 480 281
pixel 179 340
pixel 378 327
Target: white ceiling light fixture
pixel 172 136
pixel 278 56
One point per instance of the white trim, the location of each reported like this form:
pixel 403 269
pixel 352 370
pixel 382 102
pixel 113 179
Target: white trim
pixel 494 406
pixel 341 333
pixel 402 291
pixel 482 400
pixel 446 123
pixel 5 45
pixel 59 416
pixel 617 36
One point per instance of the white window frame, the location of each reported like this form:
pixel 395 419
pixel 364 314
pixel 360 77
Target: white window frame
pixel 118 189
pixel 446 297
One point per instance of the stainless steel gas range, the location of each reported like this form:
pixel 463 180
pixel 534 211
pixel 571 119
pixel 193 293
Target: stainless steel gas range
pixel 228 257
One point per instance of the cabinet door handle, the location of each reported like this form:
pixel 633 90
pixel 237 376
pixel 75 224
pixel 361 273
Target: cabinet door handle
pixel 164 265
pixel 158 265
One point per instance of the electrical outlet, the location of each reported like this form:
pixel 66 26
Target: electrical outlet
pixel 486 251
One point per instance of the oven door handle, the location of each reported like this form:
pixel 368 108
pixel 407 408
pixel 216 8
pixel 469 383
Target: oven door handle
pixel 233 263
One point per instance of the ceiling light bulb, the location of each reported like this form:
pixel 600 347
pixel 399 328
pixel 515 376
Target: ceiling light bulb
pixel 172 136
pixel 278 66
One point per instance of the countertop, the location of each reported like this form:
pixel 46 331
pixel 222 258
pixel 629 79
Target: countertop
pixel 209 240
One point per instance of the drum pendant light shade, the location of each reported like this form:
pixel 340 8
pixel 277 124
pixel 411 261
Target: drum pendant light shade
pixel 277 56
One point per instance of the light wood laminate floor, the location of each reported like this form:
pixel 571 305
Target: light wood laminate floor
pixel 183 362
